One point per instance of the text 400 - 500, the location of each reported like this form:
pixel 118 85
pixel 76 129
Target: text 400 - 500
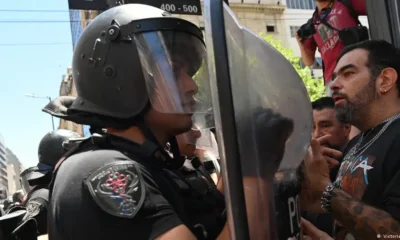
pixel 185 8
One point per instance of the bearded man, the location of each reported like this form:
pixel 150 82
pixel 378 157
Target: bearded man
pixel 364 199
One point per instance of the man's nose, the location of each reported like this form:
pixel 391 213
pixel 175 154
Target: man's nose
pixel 317 133
pixel 335 84
pixel 189 85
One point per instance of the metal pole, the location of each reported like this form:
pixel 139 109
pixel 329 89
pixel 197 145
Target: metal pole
pixel 33 96
pixel 384 20
pixel 52 118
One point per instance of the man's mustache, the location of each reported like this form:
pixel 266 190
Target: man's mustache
pixel 338 94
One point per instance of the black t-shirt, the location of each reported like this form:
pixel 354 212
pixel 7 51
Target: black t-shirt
pixel 373 176
pixel 106 194
pixel 37 207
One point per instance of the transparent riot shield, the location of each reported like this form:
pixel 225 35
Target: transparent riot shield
pixel 263 119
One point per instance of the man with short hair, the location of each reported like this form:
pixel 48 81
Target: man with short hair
pixel 364 199
pixel 326 123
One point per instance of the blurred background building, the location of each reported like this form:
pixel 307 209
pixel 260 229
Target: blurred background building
pixel 67 88
pixel 14 169
pixel 3 165
pixel 10 169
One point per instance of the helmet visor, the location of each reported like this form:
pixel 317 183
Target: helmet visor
pixel 201 138
pixel 24 177
pixel 175 70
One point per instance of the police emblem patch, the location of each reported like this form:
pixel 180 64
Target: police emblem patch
pixel 33 209
pixel 118 188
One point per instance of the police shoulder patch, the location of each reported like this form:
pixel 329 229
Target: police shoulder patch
pixel 118 188
pixel 33 208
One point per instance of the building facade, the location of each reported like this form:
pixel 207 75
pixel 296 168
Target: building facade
pixel 76 26
pixel 67 88
pixel 12 178
pixel 13 160
pixel 3 165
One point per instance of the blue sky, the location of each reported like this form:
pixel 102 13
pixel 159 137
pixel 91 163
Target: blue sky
pixel 34 56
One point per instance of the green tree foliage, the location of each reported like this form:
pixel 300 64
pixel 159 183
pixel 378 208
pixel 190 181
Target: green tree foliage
pixel 315 86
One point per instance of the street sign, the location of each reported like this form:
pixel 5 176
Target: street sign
pixel 187 7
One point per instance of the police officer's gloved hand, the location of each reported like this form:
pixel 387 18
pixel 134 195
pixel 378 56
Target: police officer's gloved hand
pixel 271 131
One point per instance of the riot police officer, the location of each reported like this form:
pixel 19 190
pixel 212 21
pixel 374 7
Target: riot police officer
pixel 35 180
pixel 135 69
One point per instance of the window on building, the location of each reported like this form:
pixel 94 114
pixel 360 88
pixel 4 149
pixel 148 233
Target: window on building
pixel 293 31
pixel 301 4
pixel 270 28
pixel 87 15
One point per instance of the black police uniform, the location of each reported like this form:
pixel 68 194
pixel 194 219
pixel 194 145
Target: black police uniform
pixel 35 180
pixel 36 206
pixel 112 188
pixel 130 59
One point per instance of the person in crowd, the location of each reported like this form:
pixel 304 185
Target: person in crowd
pixel 142 62
pixel 326 123
pixel 125 179
pixel 18 197
pixel 323 32
pixel 37 179
pixel 364 198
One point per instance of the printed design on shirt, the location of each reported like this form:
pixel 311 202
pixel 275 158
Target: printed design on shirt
pixel 329 36
pixel 118 188
pixel 355 181
pixel 33 209
pixel 355 178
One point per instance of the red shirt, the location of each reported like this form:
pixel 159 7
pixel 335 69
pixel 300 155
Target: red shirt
pixel 327 40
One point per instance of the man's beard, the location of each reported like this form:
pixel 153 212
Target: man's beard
pixel 348 112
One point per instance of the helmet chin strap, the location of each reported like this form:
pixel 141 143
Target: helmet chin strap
pixel 174 163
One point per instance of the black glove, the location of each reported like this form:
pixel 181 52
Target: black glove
pixel 58 107
pixel 271 131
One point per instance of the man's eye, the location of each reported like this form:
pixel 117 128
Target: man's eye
pixel 346 74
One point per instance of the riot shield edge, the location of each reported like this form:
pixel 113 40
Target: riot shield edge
pixel 227 133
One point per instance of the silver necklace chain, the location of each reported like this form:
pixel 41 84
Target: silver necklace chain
pixel 356 152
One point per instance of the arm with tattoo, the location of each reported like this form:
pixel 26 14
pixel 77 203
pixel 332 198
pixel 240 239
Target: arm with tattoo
pixel 363 221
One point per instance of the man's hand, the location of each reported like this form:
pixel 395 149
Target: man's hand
pixel 318 161
pixel 299 40
pixel 307 51
pixel 312 232
pixel 272 130
pixel 314 173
